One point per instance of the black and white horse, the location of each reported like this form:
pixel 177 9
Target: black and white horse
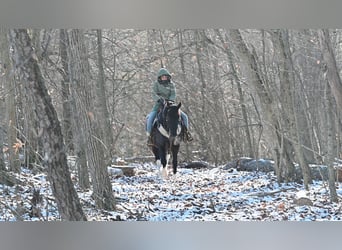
pixel 166 136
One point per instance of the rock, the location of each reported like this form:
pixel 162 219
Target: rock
pixel 119 161
pixel 116 172
pixel 249 164
pixel 126 170
pixel 318 172
pixel 195 165
pixel 236 163
pixel 260 165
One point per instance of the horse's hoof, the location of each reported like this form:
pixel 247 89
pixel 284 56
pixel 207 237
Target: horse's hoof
pixel 163 172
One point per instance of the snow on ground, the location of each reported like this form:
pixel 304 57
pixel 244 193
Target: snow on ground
pixel 210 194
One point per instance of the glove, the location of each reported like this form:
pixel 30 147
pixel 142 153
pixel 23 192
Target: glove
pixel 161 101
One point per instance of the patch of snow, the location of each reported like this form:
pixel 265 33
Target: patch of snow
pixel 211 194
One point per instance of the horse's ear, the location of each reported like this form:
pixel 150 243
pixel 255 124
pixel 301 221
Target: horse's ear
pixel 179 105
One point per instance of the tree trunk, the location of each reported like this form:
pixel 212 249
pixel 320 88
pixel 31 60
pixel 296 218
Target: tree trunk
pixel 2 125
pixel 335 88
pixel 287 85
pixel 203 135
pixel 3 70
pixel 66 97
pixel 82 90
pixel 26 63
pixel 10 120
pixel 74 140
pixel 332 74
pixel 107 132
pixel 184 81
pixel 331 141
pixel 228 52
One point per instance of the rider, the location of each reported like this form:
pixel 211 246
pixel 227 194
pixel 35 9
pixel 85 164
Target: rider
pixel 166 89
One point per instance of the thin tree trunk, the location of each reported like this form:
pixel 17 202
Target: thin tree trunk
pixel 9 97
pixel 204 137
pixel 229 54
pixel 335 87
pixel 74 140
pixel 66 98
pixel 331 141
pixel 26 63
pixel 184 80
pixel 287 83
pixel 332 74
pixel 2 124
pixel 107 132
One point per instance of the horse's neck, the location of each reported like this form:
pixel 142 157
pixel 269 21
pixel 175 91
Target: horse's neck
pixel 161 117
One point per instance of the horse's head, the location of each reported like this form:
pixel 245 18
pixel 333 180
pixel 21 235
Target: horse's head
pixel 172 118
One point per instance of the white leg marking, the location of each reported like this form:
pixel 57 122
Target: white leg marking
pixel 167 159
pixel 164 172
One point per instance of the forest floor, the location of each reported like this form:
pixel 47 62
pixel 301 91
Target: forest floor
pixel 205 194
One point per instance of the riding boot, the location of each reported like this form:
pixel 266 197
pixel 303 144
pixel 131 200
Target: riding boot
pixel 149 140
pixel 188 136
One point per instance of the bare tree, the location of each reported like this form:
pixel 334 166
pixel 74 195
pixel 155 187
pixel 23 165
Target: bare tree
pixel 287 84
pixel 331 145
pixel 83 93
pixel 25 62
pixel 252 69
pixel 8 97
pixel 66 97
pixel 335 87
pixel 102 109
pixel 237 80
pixel 332 74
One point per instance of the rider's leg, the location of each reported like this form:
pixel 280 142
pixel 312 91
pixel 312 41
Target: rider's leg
pixel 186 124
pixel 185 119
pixel 150 119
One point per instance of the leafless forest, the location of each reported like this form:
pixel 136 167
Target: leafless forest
pixel 273 94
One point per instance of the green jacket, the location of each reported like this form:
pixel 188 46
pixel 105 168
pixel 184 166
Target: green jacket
pixel 167 91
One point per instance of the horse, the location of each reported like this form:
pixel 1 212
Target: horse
pixel 166 135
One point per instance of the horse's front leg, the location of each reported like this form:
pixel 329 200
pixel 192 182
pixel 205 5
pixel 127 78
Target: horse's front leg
pixel 174 149
pixel 164 160
pixel 155 153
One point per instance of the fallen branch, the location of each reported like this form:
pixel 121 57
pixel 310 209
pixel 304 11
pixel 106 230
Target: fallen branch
pixel 262 194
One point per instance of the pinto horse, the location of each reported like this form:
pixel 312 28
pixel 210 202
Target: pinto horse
pixel 166 136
